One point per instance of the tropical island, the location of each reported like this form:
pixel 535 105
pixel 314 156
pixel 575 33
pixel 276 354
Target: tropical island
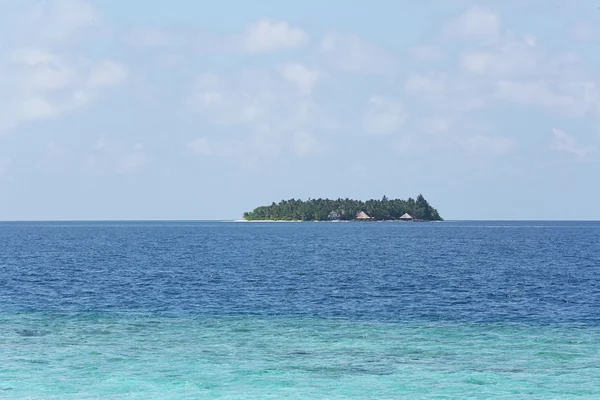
pixel 346 210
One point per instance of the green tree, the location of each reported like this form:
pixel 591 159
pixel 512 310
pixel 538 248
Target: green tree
pixel 321 209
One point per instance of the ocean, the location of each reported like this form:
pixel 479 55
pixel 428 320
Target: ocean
pixel 374 310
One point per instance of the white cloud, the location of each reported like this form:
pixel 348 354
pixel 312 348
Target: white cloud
pixel 532 93
pixel 566 143
pixel 504 66
pixel 476 22
pixel 46 80
pixel 444 93
pixel 384 116
pixel 271 119
pixel 41 70
pixel 32 57
pixel 255 98
pixel 232 103
pixel 56 21
pixel 303 77
pixel 509 59
pixel 573 98
pixel 478 62
pixel 262 36
pixel 107 73
pixel 38 108
pixel 514 69
pixel 46 85
pixel 522 72
pixel 266 35
pixel 351 54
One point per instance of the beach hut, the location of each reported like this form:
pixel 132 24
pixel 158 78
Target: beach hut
pixel 406 217
pixel 362 216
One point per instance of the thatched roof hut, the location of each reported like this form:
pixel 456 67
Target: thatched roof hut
pixel 362 216
pixel 406 217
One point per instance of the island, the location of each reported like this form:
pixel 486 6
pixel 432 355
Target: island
pixel 346 210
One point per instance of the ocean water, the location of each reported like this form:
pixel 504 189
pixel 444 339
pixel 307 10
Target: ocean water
pixel 207 310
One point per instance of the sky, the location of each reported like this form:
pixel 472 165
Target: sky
pixel 188 109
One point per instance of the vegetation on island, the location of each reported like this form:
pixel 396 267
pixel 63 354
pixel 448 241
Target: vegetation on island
pixel 345 210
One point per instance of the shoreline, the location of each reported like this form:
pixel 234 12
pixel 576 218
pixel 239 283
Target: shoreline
pixel 336 221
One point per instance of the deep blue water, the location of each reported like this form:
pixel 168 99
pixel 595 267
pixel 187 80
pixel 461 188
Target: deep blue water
pixel 274 309
pixel 524 272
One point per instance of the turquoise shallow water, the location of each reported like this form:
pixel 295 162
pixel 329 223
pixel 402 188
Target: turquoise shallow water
pixel 146 357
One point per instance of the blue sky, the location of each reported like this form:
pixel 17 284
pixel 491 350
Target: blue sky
pixel 187 109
